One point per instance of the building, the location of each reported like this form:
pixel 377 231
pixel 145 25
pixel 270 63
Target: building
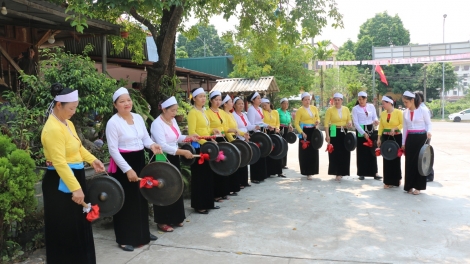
pixel 462 70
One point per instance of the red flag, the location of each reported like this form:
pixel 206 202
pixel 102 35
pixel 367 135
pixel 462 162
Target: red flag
pixel 379 70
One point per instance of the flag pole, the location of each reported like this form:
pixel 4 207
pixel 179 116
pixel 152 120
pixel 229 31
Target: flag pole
pixel 373 82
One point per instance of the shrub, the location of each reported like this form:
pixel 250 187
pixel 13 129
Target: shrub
pixel 17 196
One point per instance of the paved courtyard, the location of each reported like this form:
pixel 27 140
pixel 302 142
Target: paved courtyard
pixel 297 221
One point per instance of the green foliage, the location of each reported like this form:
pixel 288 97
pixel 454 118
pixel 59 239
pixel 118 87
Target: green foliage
pixel 434 79
pixel 29 105
pixel 449 108
pixel 193 45
pixel 322 52
pixel 17 196
pixel 286 66
pixel 384 30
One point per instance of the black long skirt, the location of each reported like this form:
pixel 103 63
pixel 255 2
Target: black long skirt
pixel 234 181
pixel 221 183
pixel 131 223
pixel 274 166
pixel 258 171
pixel 392 168
pixel 284 131
pixel 413 145
pixel 243 176
pixel 173 213
pixel 308 158
pixel 68 235
pixel 340 159
pixel 366 160
pixel 202 185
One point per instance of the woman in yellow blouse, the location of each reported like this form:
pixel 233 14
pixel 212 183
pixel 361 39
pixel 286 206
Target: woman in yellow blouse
pixel 202 186
pixel 218 122
pixel 306 120
pixel 337 118
pixel 391 122
pixel 68 234
pixel 242 172
pixel 271 118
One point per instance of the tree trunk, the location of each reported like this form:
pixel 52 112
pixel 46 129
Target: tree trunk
pixel 321 87
pixel 165 38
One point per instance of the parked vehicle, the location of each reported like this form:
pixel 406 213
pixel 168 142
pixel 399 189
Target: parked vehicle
pixel 463 115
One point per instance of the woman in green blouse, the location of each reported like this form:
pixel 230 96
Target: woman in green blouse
pixel 285 120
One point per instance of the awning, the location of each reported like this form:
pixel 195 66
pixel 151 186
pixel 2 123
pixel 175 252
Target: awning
pixel 45 15
pixel 238 85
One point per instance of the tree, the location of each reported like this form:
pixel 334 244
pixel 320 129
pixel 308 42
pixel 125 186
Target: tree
pixel 206 44
pixel 267 20
pixel 322 53
pixel 433 79
pixel 385 30
pixel 346 52
pixel 181 53
pixel 286 66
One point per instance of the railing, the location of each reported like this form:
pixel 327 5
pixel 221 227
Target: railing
pixel 13 71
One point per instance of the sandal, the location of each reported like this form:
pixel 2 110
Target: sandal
pixel 242 187
pixel 218 200
pixel 386 186
pixel 338 178
pixel 180 225
pixel 410 191
pixel 225 197
pixel 416 192
pixel 202 211
pixel 165 228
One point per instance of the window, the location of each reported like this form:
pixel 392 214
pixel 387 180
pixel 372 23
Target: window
pixel 467 111
pixel 465 75
pixel 305 65
pixel 456 68
pixel 466 67
pixel 464 83
pixel 454 92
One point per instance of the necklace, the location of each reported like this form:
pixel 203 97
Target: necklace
pixel 167 122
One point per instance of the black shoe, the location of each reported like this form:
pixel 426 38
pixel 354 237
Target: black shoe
pixel 377 178
pixel 428 180
pixel 202 211
pixel 285 168
pixel 153 237
pixel 234 194
pixel 216 207
pixel 361 178
pixel 126 247
pixel 256 182
pixel 281 175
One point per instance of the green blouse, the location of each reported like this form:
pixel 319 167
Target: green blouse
pixel 285 117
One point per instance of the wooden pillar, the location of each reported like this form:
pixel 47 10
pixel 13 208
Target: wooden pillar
pixel 104 55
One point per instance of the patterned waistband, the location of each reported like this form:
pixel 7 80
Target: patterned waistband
pixel 282 125
pixel 302 125
pixel 411 132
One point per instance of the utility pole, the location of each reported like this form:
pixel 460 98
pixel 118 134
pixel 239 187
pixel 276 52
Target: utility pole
pixel 425 82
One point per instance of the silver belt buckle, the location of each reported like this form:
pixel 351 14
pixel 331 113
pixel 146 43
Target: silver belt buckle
pixel 342 129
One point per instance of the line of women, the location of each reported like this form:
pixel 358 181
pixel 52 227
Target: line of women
pixel 68 234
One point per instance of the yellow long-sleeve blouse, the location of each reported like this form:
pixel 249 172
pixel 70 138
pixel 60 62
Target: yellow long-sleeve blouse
pixel 232 123
pixel 272 118
pixel 396 120
pixel 215 121
pixel 332 116
pixel 198 124
pixel 61 148
pixel 303 116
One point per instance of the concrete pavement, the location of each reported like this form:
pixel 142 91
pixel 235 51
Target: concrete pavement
pixel 297 221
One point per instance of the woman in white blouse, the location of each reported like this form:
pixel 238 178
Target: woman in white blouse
pixel 364 119
pixel 416 129
pixel 127 136
pixel 243 125
pixel 258 171
pixel 166 133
